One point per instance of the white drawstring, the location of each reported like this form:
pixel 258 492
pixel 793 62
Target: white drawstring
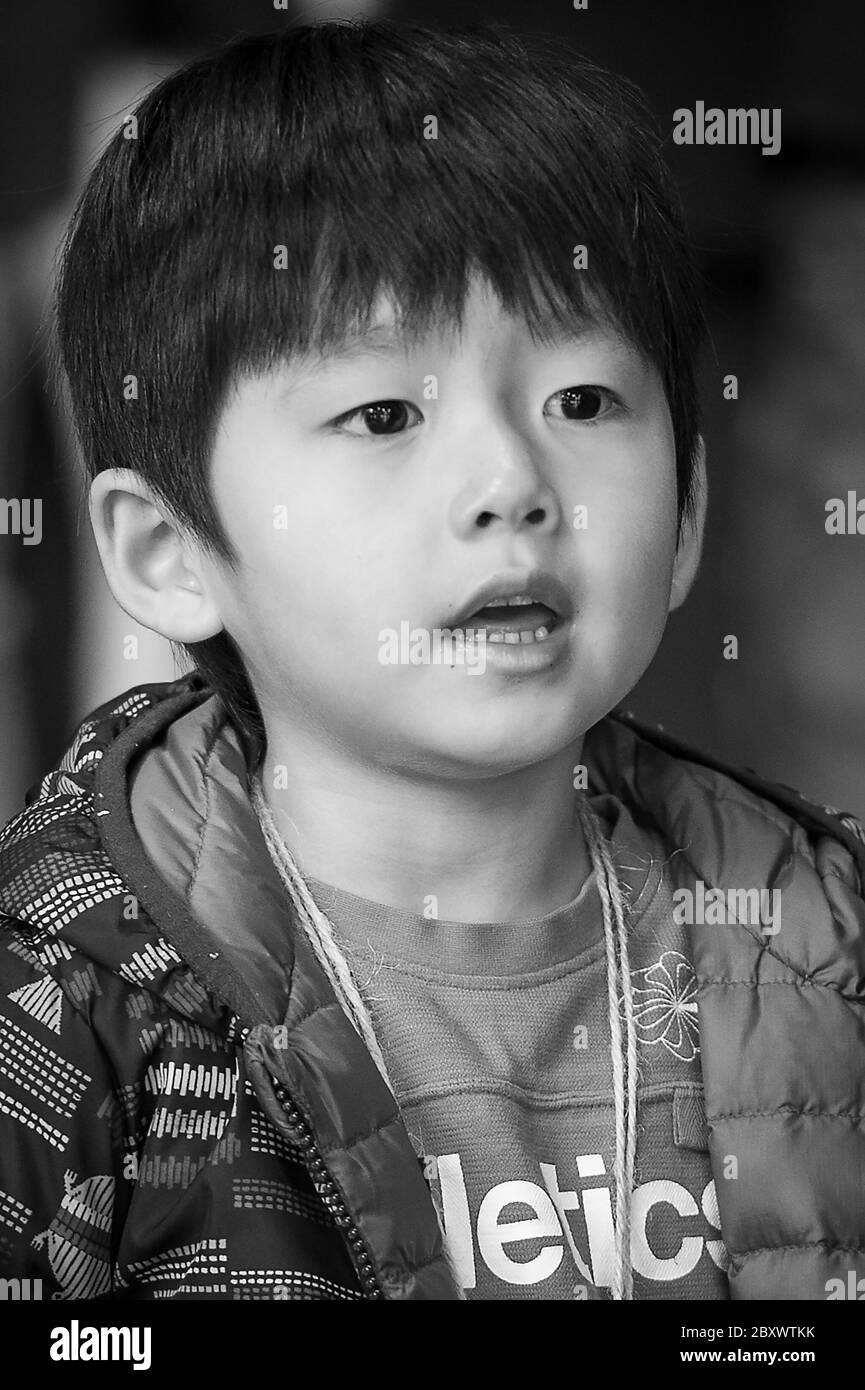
pixel 618 975
pixel 319 932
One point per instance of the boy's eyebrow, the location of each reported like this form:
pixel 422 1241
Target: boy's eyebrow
pixel 378 339
pixel 385 340
pixel 550 329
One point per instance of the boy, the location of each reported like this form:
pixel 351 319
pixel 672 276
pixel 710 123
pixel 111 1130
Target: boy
pixel 362 965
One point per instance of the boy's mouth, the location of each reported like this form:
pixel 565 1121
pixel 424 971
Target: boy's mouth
pixel 516 607
pixel 520 619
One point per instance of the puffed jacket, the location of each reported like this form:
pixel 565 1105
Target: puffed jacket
pixel 187 1112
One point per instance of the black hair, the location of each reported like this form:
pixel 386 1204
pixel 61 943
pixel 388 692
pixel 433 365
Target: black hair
pixel 319 139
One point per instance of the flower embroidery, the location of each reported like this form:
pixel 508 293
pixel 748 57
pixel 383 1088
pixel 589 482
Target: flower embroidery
pixel 665 1005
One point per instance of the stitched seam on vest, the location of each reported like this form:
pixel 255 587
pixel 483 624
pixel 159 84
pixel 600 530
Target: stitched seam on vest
pixel 745 804
pixel 804 982
pixel 799 1245
pixel 317 1009
pixel 854 1115
pixel 394 1119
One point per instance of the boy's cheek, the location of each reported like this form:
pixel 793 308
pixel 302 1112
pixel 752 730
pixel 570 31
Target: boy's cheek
pixel 627 601
pixel 625 502
pixel 628 549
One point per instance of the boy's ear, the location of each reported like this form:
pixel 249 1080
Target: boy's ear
pixel 690 545
pixel 153 569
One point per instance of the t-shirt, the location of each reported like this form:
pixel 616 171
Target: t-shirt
pixel 497 1040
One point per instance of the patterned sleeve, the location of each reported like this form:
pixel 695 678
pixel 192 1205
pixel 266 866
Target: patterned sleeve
pixel 60 1157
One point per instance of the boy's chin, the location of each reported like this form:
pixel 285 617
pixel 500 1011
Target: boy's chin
pixel 471 747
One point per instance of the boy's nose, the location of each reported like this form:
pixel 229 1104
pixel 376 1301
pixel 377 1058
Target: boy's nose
pixel 511 495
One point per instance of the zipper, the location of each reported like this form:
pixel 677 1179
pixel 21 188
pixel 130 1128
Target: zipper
pixel 330 1195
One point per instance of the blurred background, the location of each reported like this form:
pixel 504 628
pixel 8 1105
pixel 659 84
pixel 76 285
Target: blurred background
pixel 782 244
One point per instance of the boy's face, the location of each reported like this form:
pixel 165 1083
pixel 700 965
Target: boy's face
pixel 486 466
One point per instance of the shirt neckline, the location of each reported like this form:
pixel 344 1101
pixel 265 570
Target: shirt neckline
pixel 498 949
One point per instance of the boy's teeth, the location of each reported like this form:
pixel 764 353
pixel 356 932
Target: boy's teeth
pixel 522 637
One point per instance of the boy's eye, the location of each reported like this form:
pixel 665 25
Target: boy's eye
pixel 380 417
pixel 585 403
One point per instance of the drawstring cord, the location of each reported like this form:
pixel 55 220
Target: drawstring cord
pixel 624 1070
pixel 319 933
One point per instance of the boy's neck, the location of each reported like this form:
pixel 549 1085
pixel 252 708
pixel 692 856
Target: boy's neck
pixel 498 849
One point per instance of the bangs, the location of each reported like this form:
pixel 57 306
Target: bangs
pixel 321 184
